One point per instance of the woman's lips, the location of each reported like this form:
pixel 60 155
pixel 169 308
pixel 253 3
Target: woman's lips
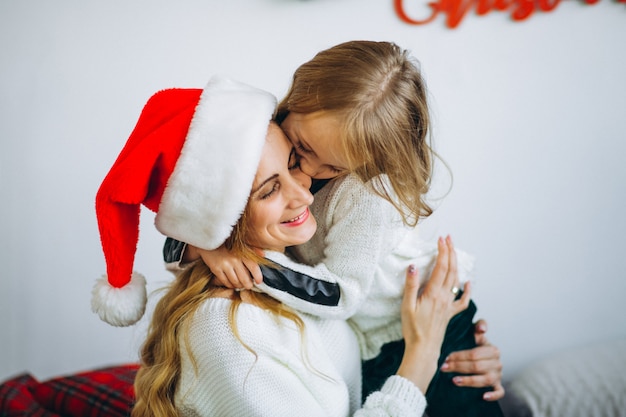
pixel 298 220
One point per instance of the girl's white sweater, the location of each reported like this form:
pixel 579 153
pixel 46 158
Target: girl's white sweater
pixel 362 244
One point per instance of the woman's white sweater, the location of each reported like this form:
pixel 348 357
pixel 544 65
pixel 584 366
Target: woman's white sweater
pixel 278 371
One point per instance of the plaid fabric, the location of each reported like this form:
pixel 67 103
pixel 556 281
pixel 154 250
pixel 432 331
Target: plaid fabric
pixel 16 398
pixel 105 392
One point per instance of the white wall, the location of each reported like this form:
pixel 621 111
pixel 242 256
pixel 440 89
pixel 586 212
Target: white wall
pixel 530 117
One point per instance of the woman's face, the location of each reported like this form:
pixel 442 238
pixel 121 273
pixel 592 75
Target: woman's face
pixel 280 197
pixel 316 139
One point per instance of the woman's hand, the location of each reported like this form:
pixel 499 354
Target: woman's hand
pixel 425 318
pixel 481 365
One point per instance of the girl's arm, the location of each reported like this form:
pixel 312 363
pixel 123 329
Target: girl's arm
pixel 230 271
pixel 173 252
pixel 357 231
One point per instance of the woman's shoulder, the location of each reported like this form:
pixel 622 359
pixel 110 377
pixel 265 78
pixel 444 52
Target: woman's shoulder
pixel 252 324
pixel 218 309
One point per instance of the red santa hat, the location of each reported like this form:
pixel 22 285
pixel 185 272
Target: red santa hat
pixel 191 158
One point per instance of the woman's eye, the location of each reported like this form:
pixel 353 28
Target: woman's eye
pixel 268 194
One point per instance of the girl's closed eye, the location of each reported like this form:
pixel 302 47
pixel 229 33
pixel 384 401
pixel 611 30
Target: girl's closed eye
pixel 302 149
pixel 294 160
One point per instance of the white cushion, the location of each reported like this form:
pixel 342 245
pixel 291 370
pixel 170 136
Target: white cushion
pixel 584 382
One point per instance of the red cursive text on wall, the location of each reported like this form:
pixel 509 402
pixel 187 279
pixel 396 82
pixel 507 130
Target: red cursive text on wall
pixel 456 10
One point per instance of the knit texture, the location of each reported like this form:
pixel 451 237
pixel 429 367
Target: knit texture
pixel 583 382
pixel 280 374
pixel 362 244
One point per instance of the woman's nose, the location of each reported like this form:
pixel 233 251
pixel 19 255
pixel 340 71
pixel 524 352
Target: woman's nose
pixel 300 185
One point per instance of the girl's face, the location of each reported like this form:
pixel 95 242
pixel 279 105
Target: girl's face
pixel 280 197
pixel 315 137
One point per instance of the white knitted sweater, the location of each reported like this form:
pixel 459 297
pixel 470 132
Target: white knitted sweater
pixel 275 374
pixel 362 244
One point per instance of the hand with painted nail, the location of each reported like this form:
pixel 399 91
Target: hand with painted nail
pixel 426 317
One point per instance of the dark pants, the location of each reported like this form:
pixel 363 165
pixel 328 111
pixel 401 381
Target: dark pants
pixel 444 398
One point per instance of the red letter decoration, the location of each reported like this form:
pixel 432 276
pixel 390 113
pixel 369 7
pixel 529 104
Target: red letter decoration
pixel 456 10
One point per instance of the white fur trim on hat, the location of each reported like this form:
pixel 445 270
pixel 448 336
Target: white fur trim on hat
pixel 191 158
pixel 209 187
pixel 119 306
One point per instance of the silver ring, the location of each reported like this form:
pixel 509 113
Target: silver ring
pixel 455 290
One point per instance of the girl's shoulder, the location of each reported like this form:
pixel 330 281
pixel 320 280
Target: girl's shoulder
pixel 349 193
pixel 352 187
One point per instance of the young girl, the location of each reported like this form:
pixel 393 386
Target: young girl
pixel 357 115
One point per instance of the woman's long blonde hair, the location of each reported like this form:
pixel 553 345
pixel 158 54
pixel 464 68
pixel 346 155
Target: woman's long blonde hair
pixel 160 356
pixel 377 92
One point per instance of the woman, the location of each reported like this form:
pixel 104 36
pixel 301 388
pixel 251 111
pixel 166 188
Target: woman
pixel 216 351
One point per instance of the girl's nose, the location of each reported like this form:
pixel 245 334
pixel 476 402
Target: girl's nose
pixel 304 179
pixel 308 168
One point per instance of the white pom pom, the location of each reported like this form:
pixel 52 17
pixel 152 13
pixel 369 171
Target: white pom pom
pixel 120 306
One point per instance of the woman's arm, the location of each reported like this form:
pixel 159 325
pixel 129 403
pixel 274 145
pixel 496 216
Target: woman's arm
pixel 426 317
pixel 424 322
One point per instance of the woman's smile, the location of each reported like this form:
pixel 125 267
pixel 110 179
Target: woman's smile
pixel 300 219
pixel 279 206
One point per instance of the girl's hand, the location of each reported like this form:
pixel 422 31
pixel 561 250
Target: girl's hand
pixel 425 318
pixel 481 365
pixel 231 271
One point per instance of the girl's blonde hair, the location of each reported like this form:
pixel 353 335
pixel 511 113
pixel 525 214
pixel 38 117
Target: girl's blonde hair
pixel 379 96
pixel 160 356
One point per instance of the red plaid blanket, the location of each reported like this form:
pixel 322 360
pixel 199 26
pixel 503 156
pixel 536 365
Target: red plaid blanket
pixel 104 392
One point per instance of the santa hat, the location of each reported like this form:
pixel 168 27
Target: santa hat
pixel 191 158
